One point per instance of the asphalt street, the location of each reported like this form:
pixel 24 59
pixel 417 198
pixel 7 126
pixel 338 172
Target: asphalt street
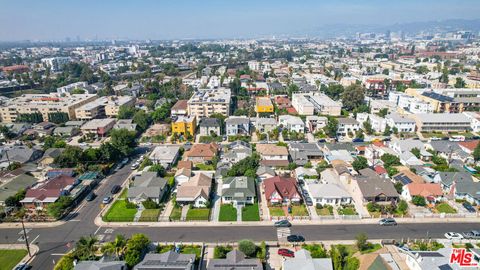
pixel 56 241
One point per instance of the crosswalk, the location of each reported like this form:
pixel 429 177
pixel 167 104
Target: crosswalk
pixel 283 233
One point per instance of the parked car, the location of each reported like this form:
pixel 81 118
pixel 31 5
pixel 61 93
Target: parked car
pixel 107 200
pixel 469 207
pixel 282 223
pixel 90 197
pixel 453 236
pixel 387 222
pixel 471 235
pixel 22 266
pixel 286 252
pixel 308 201
pixel 358 140
pixel 134 166
pixel 124 161
pixel 115 189
pixel 295 238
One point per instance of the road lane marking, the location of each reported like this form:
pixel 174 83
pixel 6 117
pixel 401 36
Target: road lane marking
pixel 75 220
pixel 109 231
pixel 26 231
pixel 58 254
pixel 98 229
pixel 33 241
pixel 283 233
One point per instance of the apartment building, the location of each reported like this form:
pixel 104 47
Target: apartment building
pixel 442 122
pixel 55 63
pixel 292 123
pixel 44 104
pixel 205 102
pixel 264 105
pixel 400 122
pixel 184 124
pixel 310 104
pixel 104 106
pixel 378 123
pixel 448 100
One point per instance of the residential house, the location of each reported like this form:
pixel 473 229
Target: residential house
pixel 98 127
pixel 165 155
pixel 301 153
pixel 48 192
pixel 184 164
pixel 369 187
pixel 196 191
pixel 17 183
pixel 265 125
pixel 67 131
pixel 125 124
pixel 315 123
pixel 400 122
pixel 240 190
pixel 100 265
pixel 328 194
pixel 281 190
pixel 49 156
pixel 303 260
pixel 183 175
pixel 459 185
pixel 201 153
pixel 432 260
pixel 264 172
pixel 180 108
pixel 302 173
pixel 431 191
pixel 237 151
pixel 273 155
pixel 169 260
pixel 377 123
pixel 283 102
pixel 449 150
pixel 237 125
pixel 346 126
pixel 292 123
pixel 18 153
pixel 184 125
pixel 407 145
pixel 148 185
pixel 406 177
pixel 235 260
pixel 209 126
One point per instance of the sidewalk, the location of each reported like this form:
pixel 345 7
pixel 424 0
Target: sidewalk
pixel 99 222
pixel 13 225
pixel 33 250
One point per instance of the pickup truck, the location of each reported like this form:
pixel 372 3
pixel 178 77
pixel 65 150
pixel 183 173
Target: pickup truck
pixel 471 235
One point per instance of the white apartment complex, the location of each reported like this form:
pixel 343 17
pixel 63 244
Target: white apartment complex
pixel 44 104
pixel 310 104
pixel 205 102
pixel 104 106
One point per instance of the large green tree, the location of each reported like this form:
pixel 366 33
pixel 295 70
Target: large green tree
pixel 353 96
pixel 123 140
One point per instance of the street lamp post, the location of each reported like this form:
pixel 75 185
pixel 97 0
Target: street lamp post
pixel 26 239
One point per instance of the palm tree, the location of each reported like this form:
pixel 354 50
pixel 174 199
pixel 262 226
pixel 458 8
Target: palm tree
pixel 117 247
pixel 85 248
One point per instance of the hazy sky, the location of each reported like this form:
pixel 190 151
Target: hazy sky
pixel 161 19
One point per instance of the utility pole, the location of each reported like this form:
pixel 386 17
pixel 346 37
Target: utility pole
pixel 26 239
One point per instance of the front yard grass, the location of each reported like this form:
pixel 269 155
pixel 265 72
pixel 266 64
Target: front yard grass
pixel 276 211
pixel 347 211
pixel 198 214
pixel 150 215
pixel 445 208
pixel 176 213
pixel 9 258
pixel 227 213
pixel 123 195
pixel 204 167
pixel 250 212
pixel 184 249
pixel 299 210
pixel 373 248
pixel 324 211
pixel 120 212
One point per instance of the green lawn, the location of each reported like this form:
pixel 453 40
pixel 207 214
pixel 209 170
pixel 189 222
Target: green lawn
pixel 150 215
pixel 348 211
pixel 176 213
pixel 9 258
pixel 227 213
pixel 250 213
pixel 324 211
pixel 119 212
pixel 373 248
pixel 205 167
pixel 276 211
pixel 445 208
pixel 187 249
pixel 198 214
pixel 299 210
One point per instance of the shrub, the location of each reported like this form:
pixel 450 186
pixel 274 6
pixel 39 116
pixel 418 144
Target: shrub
pixel 247 247
pixel 262 251
pixel 150 204
pixel 130 205
pixel 220 252
pixel 419 201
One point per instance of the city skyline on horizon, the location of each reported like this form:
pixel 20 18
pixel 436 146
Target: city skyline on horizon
pixel 85 20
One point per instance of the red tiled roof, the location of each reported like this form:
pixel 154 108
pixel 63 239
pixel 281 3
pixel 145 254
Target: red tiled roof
pixel 291 110
pixel 180 105
pixel 286 187
pixel 470 145
pixel 426 189
pixel 203 150
pixel 380 170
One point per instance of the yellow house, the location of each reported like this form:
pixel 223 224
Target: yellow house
pixel 264 105
pixel 184 125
